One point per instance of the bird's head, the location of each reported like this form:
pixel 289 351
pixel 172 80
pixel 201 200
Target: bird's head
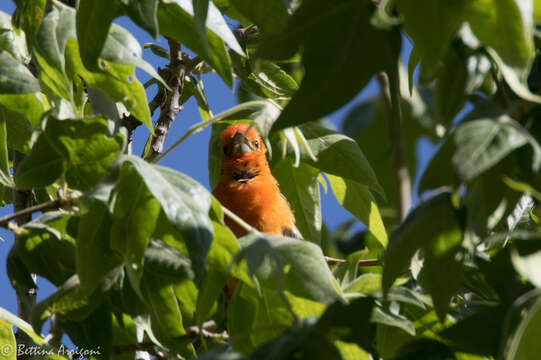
pixel 241 141
pixel 243 150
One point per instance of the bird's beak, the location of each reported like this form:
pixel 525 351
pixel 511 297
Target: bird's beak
pixel 239 145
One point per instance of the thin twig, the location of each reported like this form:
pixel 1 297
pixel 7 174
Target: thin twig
pixel 26 213
pixel 170 107
pixel 203 124
pixel 390 93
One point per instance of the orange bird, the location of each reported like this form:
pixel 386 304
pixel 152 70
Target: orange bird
pixel 247 186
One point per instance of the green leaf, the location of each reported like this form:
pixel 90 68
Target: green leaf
pixel 145 14
pixel 164 310
pixel 21 324
pixel 478 333
pixel 357 199
pixel 28 16
pixel 184 202
pixel 394 320
pixel 328 145
pixel 270 16
pixel 224 247
pixel 331 64
pixel 367 123
pixel 134 217
pixel 87 148
pixel 41 167
pixel 263 308
pixel 350 322
pixel 484 142
pixel 15 78
pixel 301 189
pixel 452 79
pixel 93 19
pixel 263 78
pixel 512 39
pixel 425 349
pixel 431 24
pixel 5 177
pixel 294 265
pixel 427 325
pixel 366 284
pixel 46 249
pixel 94 257
pixel 167 262
pixel 117 80
pixel 7 339
pixel 200 13
pixel 526 259
pixel 433 227
pixel 49 49
pixel 94 332
pixel 176 21
pixel 28 106
pixel 521 343
pixel 300 343
pixel 12 39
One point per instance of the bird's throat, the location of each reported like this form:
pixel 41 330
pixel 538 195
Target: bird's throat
pixel 244 176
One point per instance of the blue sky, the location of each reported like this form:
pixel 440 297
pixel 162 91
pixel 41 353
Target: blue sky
pixel 189 158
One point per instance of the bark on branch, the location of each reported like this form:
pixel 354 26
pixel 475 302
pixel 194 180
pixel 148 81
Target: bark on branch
pixel 170 107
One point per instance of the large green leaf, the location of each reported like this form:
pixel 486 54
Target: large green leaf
pixel 335 70
pixel 94 258
pixel 270 16
pixel 28 16
pixel 134 216
pixel 357 199
pixel 176 20
pixel 21 324
pixel 93 19
pixel 49 49
pixel 350 322
pixel 15 78
pixel 41 167
pixel 86 146
pixel 58 57
pixel 46 249
pixel 290 264
pixel 300 343
pixel 431 25
pixel 82 148
pixel 328 145
pixel 185 203
pixel 452 79
pixel 7 339
pixel 301 188
pixel 484 142
pixel 433 227
pixel 165 313
pixel 513 38
pixel 224 247
pixel 521 343
pixel 5 177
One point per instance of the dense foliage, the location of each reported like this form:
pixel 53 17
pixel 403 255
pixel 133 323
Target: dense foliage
pixel 140 254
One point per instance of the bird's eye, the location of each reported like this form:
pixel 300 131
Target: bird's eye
pixel 256 144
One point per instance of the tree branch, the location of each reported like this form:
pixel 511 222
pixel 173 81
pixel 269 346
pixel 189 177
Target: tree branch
pixel 392 100
pixel 26 213
pixel 170 107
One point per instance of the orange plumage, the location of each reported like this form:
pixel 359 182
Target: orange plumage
pixel 247 186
